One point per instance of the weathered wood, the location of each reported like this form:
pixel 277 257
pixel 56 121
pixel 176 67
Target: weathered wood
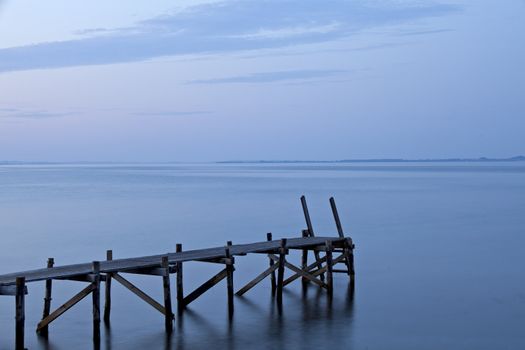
pixel 135 290
pixel 96 302
pixel 273 282
pixel 259 278
pixel 307 269
pixel 229 278
pixel 47 298
pixel 204 287
pixel 308 276
pixel 168 315
pixel 64 307
pixel 107 294
pixel 329 274
pixel 180 286
pixel 10 290
pixel 20 313
pixel 304 259
pixel 280 272
pixel 310 228
pixel 120 265
pixel 336 218
pixel 348 249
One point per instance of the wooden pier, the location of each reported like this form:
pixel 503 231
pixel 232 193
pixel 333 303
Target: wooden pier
pixel 328 252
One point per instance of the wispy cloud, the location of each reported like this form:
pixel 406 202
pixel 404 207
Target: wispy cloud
pixel 216 28
pixel 172 113
pixel 17 113
pixel 269 77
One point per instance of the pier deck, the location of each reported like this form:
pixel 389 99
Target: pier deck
pixel 320 273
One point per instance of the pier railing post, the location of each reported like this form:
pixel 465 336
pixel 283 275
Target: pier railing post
pixel 180 290
pixel 229 277
pixel 304 259
pixel 329 269
pixel 96 302
pixel 107 294
pixel 168 315
pixel 20 312
pixel 280 271
pixel 47 298
pixel 272 275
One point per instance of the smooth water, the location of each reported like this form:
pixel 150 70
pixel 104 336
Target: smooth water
pixel 439 256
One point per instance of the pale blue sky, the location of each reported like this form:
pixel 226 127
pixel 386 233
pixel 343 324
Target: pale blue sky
pixel 298 79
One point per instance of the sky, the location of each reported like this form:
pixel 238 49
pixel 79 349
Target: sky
pixel 192 81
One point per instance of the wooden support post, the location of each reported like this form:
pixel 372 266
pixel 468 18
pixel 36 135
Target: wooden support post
pixel 310 228
pixel 229 277
pixel 47 298
pixel 180 290
pixel 304 259
pixel 96 302
pixel 349 247
pixel 168 315
pixel 20 313
pixel 272 276
pixel 280 272
pixel 107 294
pixel 329 267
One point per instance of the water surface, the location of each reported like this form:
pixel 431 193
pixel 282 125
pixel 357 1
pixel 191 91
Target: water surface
pixel 438 258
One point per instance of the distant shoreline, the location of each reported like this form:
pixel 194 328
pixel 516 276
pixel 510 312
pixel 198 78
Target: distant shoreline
pixel 385 160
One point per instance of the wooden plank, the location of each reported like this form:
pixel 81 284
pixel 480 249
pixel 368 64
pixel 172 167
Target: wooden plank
pixel 168 314
pixel 96 302
pixel 47 298
pixel 20 313
pixel 107 294
pixel 10 290
pixel 259 278
pixel 273 281
pixel 66 306
pixel 204 287
pixel 135 290
pixel 118 265
pixel 180 286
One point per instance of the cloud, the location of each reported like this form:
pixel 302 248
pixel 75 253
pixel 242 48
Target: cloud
pixel 217 28
pixel 16 113
pixel 269 77
pixel 172 113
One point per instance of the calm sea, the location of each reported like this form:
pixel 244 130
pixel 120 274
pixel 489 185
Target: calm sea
pixel 439 252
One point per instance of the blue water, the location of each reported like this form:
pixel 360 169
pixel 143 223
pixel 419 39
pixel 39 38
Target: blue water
pixel 439 258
